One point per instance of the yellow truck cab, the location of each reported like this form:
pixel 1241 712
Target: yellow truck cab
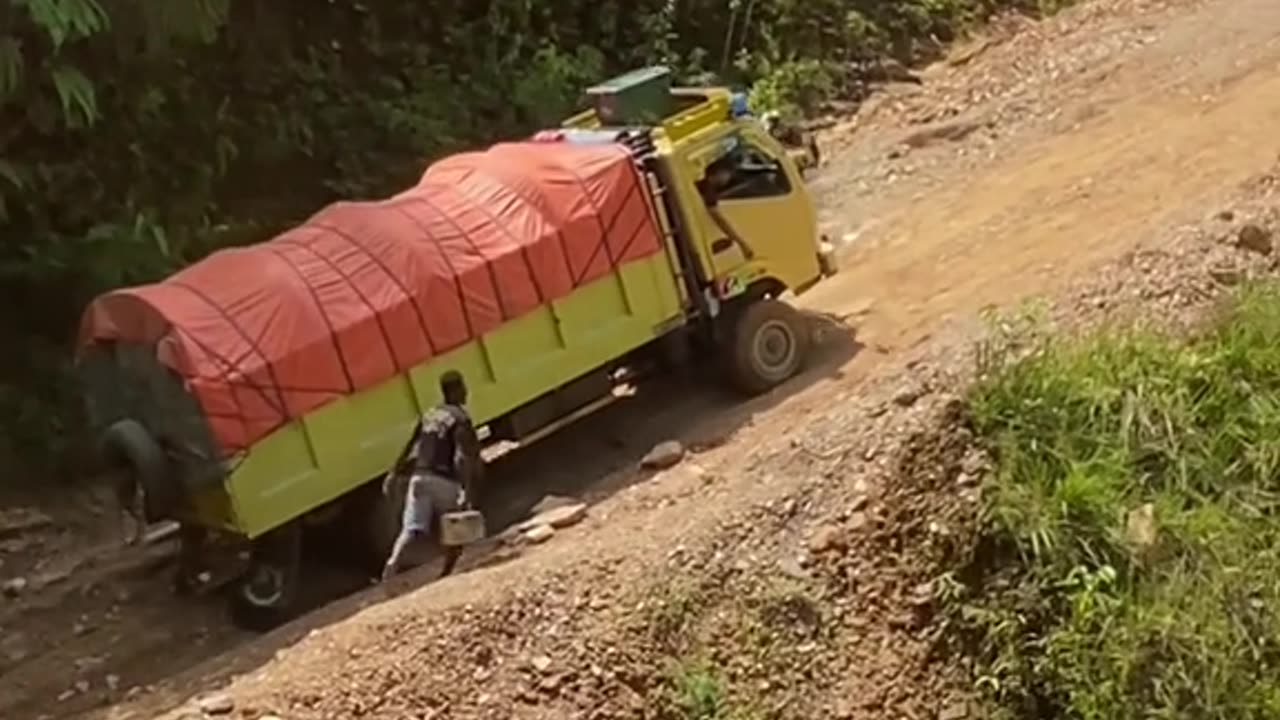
pixel 767 201
pixel 271 387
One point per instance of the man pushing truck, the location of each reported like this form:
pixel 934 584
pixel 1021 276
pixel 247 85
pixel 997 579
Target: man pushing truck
pixel 267 389
pixel 443 466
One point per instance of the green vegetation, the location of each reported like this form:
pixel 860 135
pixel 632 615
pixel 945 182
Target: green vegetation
pixel 720 650
pixel 775 619
pixel 138 135
pixel 695 691
pixel 678 605
pixel 1076 604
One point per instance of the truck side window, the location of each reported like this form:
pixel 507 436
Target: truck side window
pixel 755 175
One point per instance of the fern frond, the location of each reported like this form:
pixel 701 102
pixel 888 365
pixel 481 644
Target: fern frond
pixel 76 93
pixel 11 66
pixel 66 20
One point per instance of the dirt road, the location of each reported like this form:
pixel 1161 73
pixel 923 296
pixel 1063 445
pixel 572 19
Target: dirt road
pixel 1026 160
pixel 1143 119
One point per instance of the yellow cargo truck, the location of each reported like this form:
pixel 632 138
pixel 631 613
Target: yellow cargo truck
pixel 271 386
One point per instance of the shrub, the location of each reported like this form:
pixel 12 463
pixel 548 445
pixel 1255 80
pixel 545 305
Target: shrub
pixel 1067 616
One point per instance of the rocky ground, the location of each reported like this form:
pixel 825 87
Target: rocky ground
pixel 807 582
pixel 1119 160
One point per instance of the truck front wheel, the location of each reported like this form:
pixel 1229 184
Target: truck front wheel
pixel 767 346
pixel 265 595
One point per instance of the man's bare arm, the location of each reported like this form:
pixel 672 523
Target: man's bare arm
pixel 732 234
pixel 402 462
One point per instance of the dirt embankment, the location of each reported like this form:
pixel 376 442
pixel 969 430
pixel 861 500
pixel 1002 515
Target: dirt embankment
pixel 810 586
pixel 784 570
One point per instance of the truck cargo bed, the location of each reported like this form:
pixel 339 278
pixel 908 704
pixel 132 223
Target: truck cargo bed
pixel 311 355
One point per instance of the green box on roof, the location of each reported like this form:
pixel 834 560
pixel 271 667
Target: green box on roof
pixel 640 97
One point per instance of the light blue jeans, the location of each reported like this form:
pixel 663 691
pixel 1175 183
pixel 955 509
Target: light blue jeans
pixel 429 495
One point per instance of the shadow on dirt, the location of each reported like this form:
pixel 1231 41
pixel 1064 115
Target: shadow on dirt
pixel 589 460
pixel 170 648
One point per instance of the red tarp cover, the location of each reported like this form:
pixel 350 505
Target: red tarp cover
pixel 365 290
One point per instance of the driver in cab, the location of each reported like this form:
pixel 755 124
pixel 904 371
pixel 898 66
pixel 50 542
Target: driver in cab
pixel 719 178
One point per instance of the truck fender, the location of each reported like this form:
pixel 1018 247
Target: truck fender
pixel 765 287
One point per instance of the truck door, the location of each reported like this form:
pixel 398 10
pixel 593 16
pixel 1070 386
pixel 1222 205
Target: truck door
pixel 766 203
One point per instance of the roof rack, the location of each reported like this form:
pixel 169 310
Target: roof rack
pixel 698 109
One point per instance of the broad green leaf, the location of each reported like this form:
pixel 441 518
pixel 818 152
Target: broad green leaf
pixel 76 93
pixel 64 20
pixel 11 65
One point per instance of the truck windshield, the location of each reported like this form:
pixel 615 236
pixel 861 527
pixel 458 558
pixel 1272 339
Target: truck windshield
pixel 754 175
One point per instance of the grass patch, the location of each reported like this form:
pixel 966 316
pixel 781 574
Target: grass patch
pixel 723 651
pixel 770 625
pixel 696 690
pixel 784 612
pixel 1068 610
pixel 673 612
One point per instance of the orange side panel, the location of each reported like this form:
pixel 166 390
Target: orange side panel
pixel 365 290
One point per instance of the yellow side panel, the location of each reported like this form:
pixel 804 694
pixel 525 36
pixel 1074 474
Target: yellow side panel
pixel 339 447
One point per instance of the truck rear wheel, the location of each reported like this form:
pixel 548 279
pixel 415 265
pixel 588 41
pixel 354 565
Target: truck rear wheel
pixel 265 596
pixel 768 345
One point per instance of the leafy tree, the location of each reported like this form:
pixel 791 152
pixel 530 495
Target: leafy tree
pixel 139 135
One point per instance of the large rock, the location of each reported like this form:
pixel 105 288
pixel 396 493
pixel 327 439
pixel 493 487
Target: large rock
pixel 952 131
pixel 564 517
pixel 663 455
pixel 907 395
pixel 1254 238
pixel 219 704
pixel 827 538
pixel 17 522
pixel 13 587
pixel 1140 528
pixel 539 534
pixel 558 518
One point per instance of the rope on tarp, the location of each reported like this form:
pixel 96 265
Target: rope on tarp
pixel 635 235
pixel 382 327
pixel 605 230
pixel 462 297
pixel 413 300
pixel 324 315
pixel 604 237
pixel 506 230
pixel 240 331
pixel 462 234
